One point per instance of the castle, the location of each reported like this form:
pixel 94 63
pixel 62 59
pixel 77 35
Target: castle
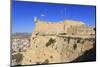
pixel 58 42
pixel 69 27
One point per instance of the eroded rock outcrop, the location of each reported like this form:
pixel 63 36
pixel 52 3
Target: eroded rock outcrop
pixel 58 42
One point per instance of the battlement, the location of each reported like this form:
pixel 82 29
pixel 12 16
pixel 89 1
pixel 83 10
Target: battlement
pixel 66 26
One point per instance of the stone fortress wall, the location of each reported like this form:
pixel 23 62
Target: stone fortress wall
pixel 67 27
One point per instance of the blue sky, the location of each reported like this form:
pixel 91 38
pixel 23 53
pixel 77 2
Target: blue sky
pixel 23 14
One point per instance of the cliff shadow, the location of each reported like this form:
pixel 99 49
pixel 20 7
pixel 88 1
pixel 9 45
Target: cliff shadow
pixel 89 55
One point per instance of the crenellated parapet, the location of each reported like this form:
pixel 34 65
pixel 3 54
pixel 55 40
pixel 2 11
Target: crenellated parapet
pixel 66 26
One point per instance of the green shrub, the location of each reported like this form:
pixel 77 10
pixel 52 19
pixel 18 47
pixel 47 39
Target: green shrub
pixel 78 41
pixel 46 61
pixel 62 33
pixel 68 39
pixel 75 46
pixel 50 42
pixel 37 62
pixel 18 57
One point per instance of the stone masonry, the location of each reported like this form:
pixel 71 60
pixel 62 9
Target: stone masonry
pixel 58 42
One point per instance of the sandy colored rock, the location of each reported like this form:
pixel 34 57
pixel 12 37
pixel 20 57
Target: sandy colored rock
pixel 48 47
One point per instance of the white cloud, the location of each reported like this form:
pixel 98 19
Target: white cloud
pixel 42 15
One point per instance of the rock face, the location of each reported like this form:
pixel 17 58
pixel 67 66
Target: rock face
pixel 20 43
pixel 58 42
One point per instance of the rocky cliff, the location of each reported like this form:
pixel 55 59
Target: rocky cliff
pixel 59 43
